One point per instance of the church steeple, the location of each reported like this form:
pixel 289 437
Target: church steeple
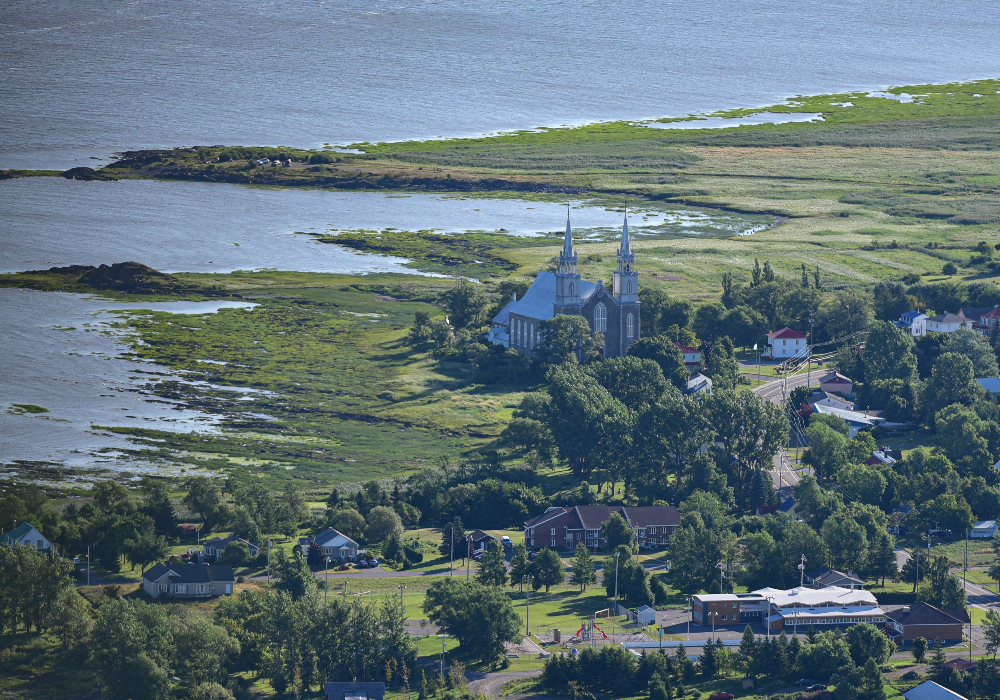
pixel 567 279
pixel 626 279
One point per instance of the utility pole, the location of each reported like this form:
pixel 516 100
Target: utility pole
pixel 88 565
pixel 720 565
pixel 326 585
pixel 965 575
pixel 468 556
pixel 809 353
pixel 758 362
pixel 402 603
pixel 767 619
pixel 802 571
pixel 616 583
pixel 444 642
pixel 451 562
pixel 690 614
pixel 713 615
pixel 527 606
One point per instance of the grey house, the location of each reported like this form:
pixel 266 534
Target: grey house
pixel 215 546
pixel 188 580
pixel 357 690
pixel 613 312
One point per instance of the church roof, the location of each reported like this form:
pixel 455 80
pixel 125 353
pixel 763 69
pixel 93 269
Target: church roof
pixel 503 318
pixel 568 243
pixel 541 295
pixel 626 245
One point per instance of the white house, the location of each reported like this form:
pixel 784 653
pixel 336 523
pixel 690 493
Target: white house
pixel 26 535
pixel 785 343
pixel 334 544
pixel 984 529
pixel 188 580
pixel 915 322
pixel 821 398
pixel 692 358
pixel 948 323
pixel 698 384
pixel 855 420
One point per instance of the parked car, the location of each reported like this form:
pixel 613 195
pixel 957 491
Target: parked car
pixel 374 562
pixel 721 696
pixel 816 686
pixel 532 555
pixel 362 564
pixel 805 681
pixel 505 541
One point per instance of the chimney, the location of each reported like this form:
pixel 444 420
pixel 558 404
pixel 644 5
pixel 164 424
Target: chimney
pixel 515 296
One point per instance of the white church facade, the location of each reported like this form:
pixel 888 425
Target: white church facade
pixel 613 312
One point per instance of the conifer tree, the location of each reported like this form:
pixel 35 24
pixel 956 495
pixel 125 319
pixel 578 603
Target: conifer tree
pixel 583 567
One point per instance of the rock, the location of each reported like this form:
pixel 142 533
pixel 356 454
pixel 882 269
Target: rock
pixel 131 277
pixel 81 173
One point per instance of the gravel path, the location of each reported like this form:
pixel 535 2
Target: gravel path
pixel 491 683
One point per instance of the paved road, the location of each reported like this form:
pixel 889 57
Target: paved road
pixel 775 391
pixel 783 474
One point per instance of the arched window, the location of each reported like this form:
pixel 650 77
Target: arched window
pixel 629 326
pixel 628 287
pixel 572 288
pixel 531 336
pixel 518 331
pixel 600 318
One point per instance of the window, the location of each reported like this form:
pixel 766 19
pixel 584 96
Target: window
pixel 162 588
pixel 200 588
pixel 784 342
pixel 629 326
pixel 552 542
pixel 519 331
pixel 628 287
pixel 531 336
pixel 572 288
pixel 725 617
pixel 600 318
pixel 553 532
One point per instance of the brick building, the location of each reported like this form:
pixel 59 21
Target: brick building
pixel 561 527
pixel 924 620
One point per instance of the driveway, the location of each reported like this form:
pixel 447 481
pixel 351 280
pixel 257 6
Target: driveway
pixel 491 683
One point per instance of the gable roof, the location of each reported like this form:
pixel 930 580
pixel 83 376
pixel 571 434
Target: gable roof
pixel 823 396
pixel 592 517
pixel 835 378
pixel 975 314
pixel 644 516
pixel 222 542
pixel 686 348
pixel 826 576
pixel 18 532
pixel 927 614
pixel 191 573
pixel 786 332
pixel 503 318
pixel 913 315
pixel 550 512
pixel 849 416
pixel 948 318
pixel 538 301
pixel 479 536
pixel 931 691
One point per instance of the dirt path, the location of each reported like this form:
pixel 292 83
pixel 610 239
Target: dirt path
pixel 491 683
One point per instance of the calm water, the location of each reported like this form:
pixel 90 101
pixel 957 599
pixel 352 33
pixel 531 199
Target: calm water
pixel 200 227
pixel 81 79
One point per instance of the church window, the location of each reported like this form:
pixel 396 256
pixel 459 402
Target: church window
pixel 518 331
pixel 531 336
pixel 572 288
pixel 628 287
pixel 629 326
pixel 600 318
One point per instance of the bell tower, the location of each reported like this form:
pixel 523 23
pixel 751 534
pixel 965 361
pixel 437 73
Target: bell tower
pixel 626 279
pixel 567 279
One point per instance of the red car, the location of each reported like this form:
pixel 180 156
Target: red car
pixel 721 696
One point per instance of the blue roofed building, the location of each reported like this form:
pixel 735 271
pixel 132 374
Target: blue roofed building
pixel 613 312
pixel 26 535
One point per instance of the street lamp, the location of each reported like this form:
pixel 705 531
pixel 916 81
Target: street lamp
pixel 527 605
pixel 713 615
pixel 809 353
pixel 802 571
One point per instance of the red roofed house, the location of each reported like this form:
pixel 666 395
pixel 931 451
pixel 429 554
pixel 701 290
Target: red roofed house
pixel 561 527
pixel 987 321
pixel 692 358
pixel 785 343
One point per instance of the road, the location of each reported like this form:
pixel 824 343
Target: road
pixel 783 474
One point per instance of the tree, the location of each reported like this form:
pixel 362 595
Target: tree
pixel 822 658
pixel 467 304
pixel 846 541
pixel 723 369
pixel 970 344
pixel 862 482
pixel 616 532
pixel 826 449
pixel 131 650
pixel 583 573
pixel 954 596
pixel 205 498
pixel 891 300
pixel 694 553
pixel 294 574
pixel 69 618
pixel 991 631
pixel 662 350
pixel 145 549
pixel 763 561
pixel 745 326
pixel 708 321
pixel 888 352
pixel 881 557
pixel 481 617
pixel 748 649
pixel 867 641
pixel 453 543
pixel 236 553
pixel 567 336
pixel 493 568
pixel 547 570
pixel 202 649
pixel 349 522
pixel 920 646
pixel 382 522
pixel 519 565
pixel 210 691
pixel 952 380
pixel 849 311
pixel 315 556
pixel 634 381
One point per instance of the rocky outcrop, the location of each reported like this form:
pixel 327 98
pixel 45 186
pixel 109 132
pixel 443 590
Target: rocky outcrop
pixel 128 277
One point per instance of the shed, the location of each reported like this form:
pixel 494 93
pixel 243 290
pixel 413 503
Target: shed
pixel 932 691
pixel 645 616
pixel 984 528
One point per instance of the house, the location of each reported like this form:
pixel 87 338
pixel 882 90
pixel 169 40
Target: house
pixel 826 577
pixel 932 691
pixel 564 526
pixel 948 323
pixel 335 545
pixel 214 547
pixel 785 343
pixel 963 665
pixel 990 384
pixel 984 529
pixel 884 456
pixel 913 321
pixel 987 322
pixel 356 690
pixel 188 580
pixel 692 356
pixel 836 383
pixel 924 620
pixel 645 616
pixel 824 399
pixel 26 535
pixel 855 421
pixel 612 312
pixel 698 384
pixel 480 540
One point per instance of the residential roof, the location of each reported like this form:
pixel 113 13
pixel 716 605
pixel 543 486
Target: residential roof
pixel 329 538
pixel 948 318
pixel 550 512
pixel 479 536
pixel 538 301
pixel 643 608
pixel 990 384
pixel 18 532
pixel 686 348
pixel 992 313
pixel 931 691
pixel 976 314
pixel 697 382
pixel 913 315
pixel 985 524
pixel 881 457
pixel 826 576
pixel 591 517
pixel 810 597
pixel 927 614
pixel 643 516
pixel 849 416
pixel 786 332
pixel 190 573
pixel 822 395
pixel 835 378
pixel 222 542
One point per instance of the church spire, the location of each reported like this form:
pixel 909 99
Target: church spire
pixel 568 244
pixel 626 245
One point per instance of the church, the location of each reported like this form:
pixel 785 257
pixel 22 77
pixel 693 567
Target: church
pixel 614 312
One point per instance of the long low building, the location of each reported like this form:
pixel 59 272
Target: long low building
pixel 825 607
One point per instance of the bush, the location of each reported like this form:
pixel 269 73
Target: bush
pixel 412 555
pixel 318 158
pixel 950 268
